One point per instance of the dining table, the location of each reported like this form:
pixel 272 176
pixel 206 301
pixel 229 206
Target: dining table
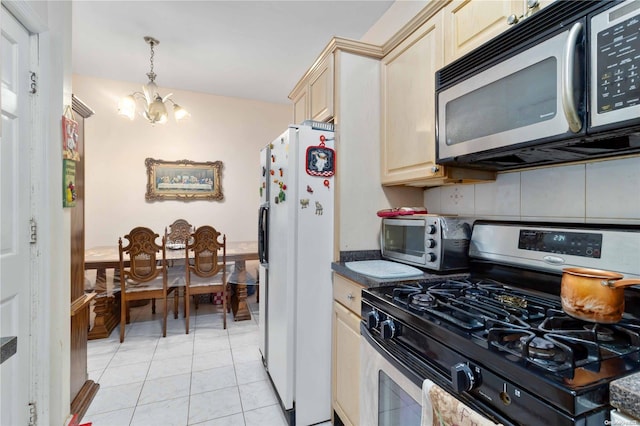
pixel 106 301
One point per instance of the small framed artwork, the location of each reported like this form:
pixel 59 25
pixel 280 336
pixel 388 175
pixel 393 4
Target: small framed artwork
pixel 320 161
pixel 70 139
pixel 68 183
pixel 183 180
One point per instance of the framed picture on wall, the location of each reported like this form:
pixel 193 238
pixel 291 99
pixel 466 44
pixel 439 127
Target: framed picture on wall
pixel 183 180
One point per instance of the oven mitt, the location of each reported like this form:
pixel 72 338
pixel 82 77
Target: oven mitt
pixel 446 410
pixel 401 211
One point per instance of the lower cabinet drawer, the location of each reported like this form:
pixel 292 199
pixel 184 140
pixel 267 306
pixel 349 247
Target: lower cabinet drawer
pixel 347 292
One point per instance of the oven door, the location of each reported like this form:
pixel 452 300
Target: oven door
pixel 535 95
pixel 387 397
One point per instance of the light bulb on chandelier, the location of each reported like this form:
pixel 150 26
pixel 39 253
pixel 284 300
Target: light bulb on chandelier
pixel 154 105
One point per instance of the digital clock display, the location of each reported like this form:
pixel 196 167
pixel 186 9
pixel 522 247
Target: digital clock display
pixel 583 244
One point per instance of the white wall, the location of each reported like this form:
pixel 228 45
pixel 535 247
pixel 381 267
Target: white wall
pixel 597 192
pixel 220 128
pixel 393 19
pixel 360 194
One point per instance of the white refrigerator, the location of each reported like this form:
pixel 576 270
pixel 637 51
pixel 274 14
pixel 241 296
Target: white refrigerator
pixel 295 228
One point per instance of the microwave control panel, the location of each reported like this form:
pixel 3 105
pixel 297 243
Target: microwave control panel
pixel 615 57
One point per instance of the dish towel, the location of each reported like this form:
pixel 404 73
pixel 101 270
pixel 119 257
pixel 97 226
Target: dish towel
pixel 439 408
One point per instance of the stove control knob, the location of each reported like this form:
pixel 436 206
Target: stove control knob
pixel 431 243
pixel 388 329
pixel 373 319
pixel 462 377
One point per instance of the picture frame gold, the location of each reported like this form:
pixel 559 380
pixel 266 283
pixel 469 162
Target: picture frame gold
pixel 183 180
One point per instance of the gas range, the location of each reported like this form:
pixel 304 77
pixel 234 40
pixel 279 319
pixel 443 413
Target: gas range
pixel 498 338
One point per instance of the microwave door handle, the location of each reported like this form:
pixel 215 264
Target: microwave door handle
pixel 568 101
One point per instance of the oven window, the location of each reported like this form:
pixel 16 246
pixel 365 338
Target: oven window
pixel 395 406
pixel 509 103
pixel 404 239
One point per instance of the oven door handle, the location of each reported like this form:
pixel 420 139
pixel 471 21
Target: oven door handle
pixel 568 100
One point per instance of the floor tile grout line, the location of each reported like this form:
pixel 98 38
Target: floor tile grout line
pixel 156 348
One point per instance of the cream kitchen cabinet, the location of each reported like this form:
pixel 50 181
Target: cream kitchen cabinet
pixel 317 93
pixel 346 350
pixel 408 108
pixel 313 99
pixel 408 144
pixel 470 23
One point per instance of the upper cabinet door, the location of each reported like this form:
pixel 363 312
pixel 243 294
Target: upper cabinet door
pixel 313 95
pixel 321 90
pixel 300 107
pixel 470 23
pixel 408 106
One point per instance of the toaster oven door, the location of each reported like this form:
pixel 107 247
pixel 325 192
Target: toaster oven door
pixel 403 240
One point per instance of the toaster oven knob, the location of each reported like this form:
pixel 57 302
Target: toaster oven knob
pixel 431 229
pixel 462 377
pixel 431 243
pixel 373 319
pixel 431 257
pixel 387 329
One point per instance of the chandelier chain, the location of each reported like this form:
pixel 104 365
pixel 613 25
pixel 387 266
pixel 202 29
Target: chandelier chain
pixel 151 74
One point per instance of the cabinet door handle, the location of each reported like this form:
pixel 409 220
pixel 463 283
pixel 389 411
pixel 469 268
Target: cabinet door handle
pixel 350 296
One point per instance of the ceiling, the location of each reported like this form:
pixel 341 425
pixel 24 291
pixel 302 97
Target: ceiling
pixel 246 49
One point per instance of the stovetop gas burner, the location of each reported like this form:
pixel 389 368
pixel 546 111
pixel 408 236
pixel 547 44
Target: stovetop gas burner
pixel 520 324
pixel 422 300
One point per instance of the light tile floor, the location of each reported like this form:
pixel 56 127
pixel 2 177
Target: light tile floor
pixel 210 376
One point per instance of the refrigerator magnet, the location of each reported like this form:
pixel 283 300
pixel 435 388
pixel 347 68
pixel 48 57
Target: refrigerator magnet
pixel 320 161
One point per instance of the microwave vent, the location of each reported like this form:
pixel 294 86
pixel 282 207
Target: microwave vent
pixel 559 13
pixel 561 153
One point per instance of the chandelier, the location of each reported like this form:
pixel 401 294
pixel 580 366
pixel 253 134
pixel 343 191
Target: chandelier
pixel 155 106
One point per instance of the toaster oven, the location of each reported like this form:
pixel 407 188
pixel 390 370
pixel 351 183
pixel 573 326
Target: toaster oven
pixel 439 243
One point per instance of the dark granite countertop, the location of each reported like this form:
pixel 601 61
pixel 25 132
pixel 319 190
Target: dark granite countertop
pixel 8 347
pixel 624 394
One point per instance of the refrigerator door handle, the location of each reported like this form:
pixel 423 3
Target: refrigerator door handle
pixel 263 234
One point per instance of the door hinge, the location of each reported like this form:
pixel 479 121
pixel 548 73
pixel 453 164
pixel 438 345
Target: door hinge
pixel 33 231
pixel 34 82
pixel 33 415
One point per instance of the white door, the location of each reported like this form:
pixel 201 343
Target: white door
pixel 15 278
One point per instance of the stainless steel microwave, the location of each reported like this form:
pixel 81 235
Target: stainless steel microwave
pixel 439 243
pixel 563 85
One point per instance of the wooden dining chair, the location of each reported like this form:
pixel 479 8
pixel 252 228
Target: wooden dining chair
pixel 146 276
pixel 176 236
pixel 206 267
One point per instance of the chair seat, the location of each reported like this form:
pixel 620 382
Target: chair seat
pixel 197 281
pixel 133 286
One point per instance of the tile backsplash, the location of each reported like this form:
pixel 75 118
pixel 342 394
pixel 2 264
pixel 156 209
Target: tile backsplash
pixel 603 191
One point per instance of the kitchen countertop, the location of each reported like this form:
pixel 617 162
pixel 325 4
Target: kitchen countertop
pixel 624 394
pixel 368 281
